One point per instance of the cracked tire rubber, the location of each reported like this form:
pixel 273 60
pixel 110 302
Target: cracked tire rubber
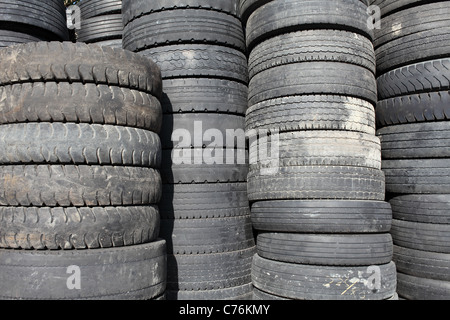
pixel 106 274
pixel 77 228
pixel 78 185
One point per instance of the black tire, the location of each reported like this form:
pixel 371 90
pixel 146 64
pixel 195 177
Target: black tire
pixel 312 45
pixel 415 141
pixel 201 201
pixel 412 35
pixel 261 295
pixel 391 6
pixel 199 165
pixel 9 38
pixel 312 112
pixel 101 28
pixel 114 43
pixel 47 19
pixel 422 77
pixel 204 95
pixel 132 9
pixel 309 78
pixel 423 264
pixel 275 18
pixel 417 176
pixel 79 103
pixel 131 273
pixel 422 107
pixel 71 143
pixel 421 236
pixel 309 148
pixel 208 235
pixel 192 130
pixel 317 182
pixel 416 288
pixel 79 62
pixel 198 272
pixel 243 292
pixel 77 228
pixel 183 26
pixel 326 249
pixel 322 216
pixel 94 8
pixel 312 282
pixel 199 60
pixel 425 208
pixel 70 185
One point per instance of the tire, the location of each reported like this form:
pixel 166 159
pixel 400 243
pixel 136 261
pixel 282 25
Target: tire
pixel 309 148
pixel 204 95
pixel 317 182
pixel 422 107
pixel 203 130
pixel 77 228
pixel 423 264
pixel 309 78
pixel 99 65
pixel 79 103
pixel 114 43
pixel 243 292
pixel 415 141
pixel 199 60
pixel 391 6
pixel 215 271
pixel 9 38
pixel 101 28
pixel 422 77
pixel 132 9
pixel 184 26
pixel 275 18
pixel 311 282
pixel 322 216
pixel 47 19
pixel 416 288
pixel 261 295
pixel 202 201
pixel 424 208
pixel 326 249
pixel 312 112
pixel 312 45
pixel 71 143
pixel 95 8
pixel 183 166
pixel 131 273
pixel 421 236
pixel 208 235
pixel 69 185
pixel 424 28
pixel 417 176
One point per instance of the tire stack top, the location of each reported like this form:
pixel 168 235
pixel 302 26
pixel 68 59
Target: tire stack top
pixel 23 21
pixel 413 58
pixel 323 225
pixel 200 47
pixel 79 183
pixel 101 22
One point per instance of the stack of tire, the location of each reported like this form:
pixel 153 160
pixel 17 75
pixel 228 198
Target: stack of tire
pixel 413 62
pixel 23 21
pixel 200 47
pixel 323 225
pixel 79 175
pixel 101 22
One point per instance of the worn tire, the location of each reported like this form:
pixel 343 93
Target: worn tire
pixel 101 28
pixel 94 8
pixel 417 288
pixel 424 208
pixel 125 273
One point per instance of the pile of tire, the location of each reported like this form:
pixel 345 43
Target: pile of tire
pixel 101 22
pixel 323 225
pixel 23 21
pixel 205 214
pixel 79 178
pixel 413 74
